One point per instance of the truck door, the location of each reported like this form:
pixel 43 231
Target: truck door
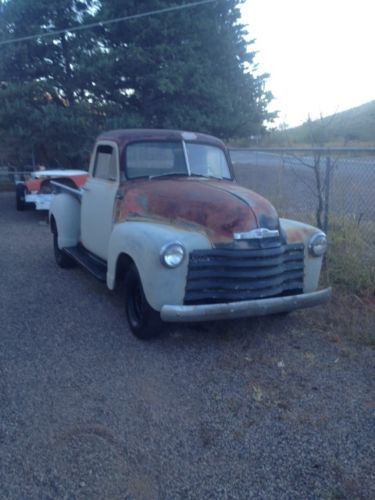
pixel 98 200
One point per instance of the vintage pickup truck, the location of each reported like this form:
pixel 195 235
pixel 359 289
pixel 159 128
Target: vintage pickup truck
pixel 161 214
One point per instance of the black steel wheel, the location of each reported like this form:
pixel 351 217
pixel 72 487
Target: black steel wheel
pixel 62 259
pixel 144 321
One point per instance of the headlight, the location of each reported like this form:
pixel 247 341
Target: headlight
pixel 172 254
pixel 318 244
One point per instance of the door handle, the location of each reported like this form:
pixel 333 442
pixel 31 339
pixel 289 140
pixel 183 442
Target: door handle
pixel 119 196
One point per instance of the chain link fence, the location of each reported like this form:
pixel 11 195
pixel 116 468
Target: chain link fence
pixel 322 182
pixel 319 182
pixel 10 175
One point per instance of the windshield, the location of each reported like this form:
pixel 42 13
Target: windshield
pixel 207 160
pixel 154 159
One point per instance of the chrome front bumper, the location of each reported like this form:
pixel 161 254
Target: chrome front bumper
pixel 243 309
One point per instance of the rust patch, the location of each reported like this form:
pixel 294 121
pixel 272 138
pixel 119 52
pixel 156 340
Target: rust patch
pixel 220 208
pixel 299 234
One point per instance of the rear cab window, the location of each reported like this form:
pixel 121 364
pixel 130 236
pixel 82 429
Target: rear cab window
pixel 105 166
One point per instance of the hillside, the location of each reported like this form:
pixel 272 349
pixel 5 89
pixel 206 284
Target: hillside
pixel 354 127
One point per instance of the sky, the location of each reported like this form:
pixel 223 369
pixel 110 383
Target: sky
pixel 320 54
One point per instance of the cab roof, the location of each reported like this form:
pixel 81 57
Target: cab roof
pixel 124 136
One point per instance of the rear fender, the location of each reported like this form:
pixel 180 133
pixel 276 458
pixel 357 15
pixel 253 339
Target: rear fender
pixel 65 211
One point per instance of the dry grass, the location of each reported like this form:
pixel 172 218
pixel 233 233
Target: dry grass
pixel 351 258
pixel 347 318
pixel 350 262
pixel 351 270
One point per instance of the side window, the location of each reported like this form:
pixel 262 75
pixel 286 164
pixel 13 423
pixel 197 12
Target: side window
pixel 105 164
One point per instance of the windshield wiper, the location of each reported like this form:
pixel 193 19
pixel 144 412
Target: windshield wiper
pixel 207 176
pixel 169 174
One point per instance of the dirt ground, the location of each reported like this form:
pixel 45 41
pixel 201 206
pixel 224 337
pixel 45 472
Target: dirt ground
pixel 267 408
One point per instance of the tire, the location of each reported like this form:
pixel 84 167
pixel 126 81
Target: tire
pixel 144 321
pixel 62 259
pixel 20 197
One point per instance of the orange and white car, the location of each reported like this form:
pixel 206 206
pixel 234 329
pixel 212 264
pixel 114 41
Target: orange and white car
pixel 37 192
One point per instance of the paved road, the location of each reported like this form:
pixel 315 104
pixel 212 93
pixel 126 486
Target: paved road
pixel 291 186
pixel 272 408
pixel 264 158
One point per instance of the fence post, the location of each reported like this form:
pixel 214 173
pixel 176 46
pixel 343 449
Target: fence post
pixel 327 191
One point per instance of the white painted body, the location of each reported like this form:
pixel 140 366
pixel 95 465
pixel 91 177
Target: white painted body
pixel 98 199
pixel 312 264
pixel 90 222
pixel 66 211
pixel 142 242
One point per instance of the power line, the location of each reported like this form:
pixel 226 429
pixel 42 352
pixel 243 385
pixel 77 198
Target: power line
pixel 107 22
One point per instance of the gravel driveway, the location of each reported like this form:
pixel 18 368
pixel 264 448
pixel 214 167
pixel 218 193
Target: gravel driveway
pixel 268 408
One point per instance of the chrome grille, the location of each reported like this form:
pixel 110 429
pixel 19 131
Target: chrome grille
pixel 228 274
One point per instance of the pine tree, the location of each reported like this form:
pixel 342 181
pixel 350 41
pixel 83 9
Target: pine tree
pixel 187 69
pixel 42 113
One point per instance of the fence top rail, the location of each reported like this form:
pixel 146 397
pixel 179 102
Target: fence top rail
pixel 304 150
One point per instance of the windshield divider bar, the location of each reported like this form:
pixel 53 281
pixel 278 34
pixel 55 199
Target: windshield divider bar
pixel 186 158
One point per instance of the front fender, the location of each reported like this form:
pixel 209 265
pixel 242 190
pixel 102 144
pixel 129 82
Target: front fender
pixel 298 232
pixel 142 242
pixel 66 211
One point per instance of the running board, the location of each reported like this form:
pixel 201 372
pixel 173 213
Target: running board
pixel 97 267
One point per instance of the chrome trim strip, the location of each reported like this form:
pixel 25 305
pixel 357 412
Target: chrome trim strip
pixel 257 234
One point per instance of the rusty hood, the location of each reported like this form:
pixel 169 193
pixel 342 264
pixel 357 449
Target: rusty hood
pixel 219 208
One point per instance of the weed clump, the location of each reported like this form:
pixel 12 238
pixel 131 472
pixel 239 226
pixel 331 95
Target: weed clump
pixel 351 256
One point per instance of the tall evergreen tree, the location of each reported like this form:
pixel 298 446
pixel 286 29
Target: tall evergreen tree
pixel 189 69
pixel 185 69
pixel 42 112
